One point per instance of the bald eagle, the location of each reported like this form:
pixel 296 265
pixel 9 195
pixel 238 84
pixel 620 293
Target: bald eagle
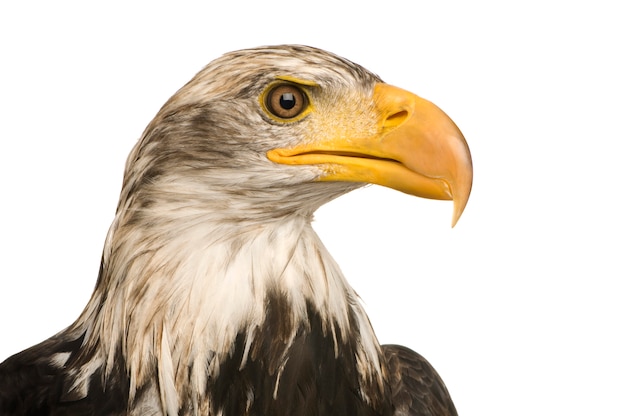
pixel 215 296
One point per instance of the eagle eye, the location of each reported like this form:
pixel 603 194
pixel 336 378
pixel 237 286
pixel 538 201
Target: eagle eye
pixel 286 101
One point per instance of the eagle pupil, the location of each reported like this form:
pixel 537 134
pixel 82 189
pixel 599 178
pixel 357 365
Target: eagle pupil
pixel 287 101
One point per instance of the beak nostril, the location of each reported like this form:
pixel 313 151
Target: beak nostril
pixel 395 119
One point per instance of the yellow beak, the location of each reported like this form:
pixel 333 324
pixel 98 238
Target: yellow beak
pixel 418 150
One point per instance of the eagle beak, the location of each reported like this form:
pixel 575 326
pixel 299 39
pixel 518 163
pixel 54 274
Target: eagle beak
pixel 417 150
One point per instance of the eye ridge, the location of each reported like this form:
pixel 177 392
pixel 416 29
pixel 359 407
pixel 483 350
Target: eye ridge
pixel 286 101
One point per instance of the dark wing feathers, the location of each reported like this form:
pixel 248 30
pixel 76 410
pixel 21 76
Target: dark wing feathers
pixel 32 383
pixel 29 382
pixel 416 388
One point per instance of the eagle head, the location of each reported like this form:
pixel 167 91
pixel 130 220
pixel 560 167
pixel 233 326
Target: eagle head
pixel 279 130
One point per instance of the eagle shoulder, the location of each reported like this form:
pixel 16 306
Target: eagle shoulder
pixel 416 388
pixel 41 380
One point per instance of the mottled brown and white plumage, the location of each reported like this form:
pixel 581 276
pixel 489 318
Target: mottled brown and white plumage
pixel 215 296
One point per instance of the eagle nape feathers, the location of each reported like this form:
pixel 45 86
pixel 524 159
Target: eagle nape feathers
pixel 215 296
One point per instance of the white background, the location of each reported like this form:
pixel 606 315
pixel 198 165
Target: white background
pixel 520 307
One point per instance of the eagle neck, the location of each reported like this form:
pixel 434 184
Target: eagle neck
pixel 176 304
